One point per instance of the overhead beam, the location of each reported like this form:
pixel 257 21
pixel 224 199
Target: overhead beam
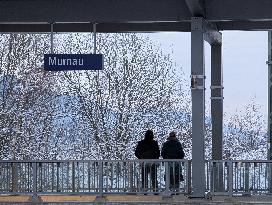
pixel 133 27
pixel 100 27
pixel 130 27
pixel 245 25
pixel 133 10
pixel 238 10
pixel 106 11
pixel 132 15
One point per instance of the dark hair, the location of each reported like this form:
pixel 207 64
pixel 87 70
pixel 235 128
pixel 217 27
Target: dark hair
pixel 149 135
pixel 172 135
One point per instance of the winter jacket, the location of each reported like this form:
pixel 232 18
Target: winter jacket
pixel 147 149
pixel 172 149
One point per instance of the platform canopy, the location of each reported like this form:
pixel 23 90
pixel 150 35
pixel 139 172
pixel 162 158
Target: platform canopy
pixel 132 15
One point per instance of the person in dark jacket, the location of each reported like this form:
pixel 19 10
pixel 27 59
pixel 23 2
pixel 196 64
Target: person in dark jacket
pixel 172 149
pixel 148 149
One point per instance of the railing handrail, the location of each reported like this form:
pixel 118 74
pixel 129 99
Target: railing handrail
pixel 242 161
pixel 63 161
pixel 131 160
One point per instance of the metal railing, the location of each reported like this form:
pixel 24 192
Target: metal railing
pixel 97 177
pixel 238 177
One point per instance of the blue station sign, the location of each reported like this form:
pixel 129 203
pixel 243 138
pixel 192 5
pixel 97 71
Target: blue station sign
pixel 61 62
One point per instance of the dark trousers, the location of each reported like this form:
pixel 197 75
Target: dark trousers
pixel 175 175
pixel 149 169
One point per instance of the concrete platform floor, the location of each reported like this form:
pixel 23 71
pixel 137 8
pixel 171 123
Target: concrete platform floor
pixel 134 199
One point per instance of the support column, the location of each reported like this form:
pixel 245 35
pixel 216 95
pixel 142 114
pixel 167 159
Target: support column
pixel 217 115
pixel 269 62
pixel 198 106
pixel 269 151
pixel 216 102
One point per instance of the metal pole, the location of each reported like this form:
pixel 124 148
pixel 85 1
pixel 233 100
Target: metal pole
pixel 216 102
pixel 198 106
pixel 94 34
pixel 73 177
pixel 167 179
pixel 269 151
pixel 52 38
pixel 269 183
pixel 212 167
pixel 58 166
pixel 246 175
pixel 34 167
pixel 269 62
pixel 230 178
pixel 100 168
pixel 217 114
pixel 97 76
pixel 131 177
pixel 189 178
pixel 14 176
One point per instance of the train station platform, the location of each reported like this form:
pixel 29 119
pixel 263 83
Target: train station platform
pixel 133 199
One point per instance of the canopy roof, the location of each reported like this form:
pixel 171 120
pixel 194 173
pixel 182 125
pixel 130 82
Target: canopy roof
pixel 132 15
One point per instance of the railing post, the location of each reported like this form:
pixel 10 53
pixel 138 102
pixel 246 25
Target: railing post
pixel 167 179
pixel 34 167
pixel 221 177
pixel 246 179
pixel 230 178
pixel 100 167
pixel 73 177
pixel 14 176
pixel 212 178
pixel 269 178
pixel 58 165
pixel 217 177
pixel 131 177
pixel 188 177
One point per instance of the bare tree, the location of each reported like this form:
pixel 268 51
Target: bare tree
pixel 25 93
pixel 101 115
pixel 245 134
pixel 139 88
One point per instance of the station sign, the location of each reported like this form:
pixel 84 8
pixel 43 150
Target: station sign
pixel 62 62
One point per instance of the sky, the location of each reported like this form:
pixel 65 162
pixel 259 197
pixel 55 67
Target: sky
pixel 244 57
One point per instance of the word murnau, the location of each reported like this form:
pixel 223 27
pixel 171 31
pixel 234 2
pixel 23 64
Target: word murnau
pixel 65 61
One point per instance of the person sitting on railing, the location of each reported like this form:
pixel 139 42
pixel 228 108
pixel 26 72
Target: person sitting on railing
pixel 148 149
pixel 172 149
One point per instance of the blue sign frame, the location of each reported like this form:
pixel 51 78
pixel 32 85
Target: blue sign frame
pixel 62 62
